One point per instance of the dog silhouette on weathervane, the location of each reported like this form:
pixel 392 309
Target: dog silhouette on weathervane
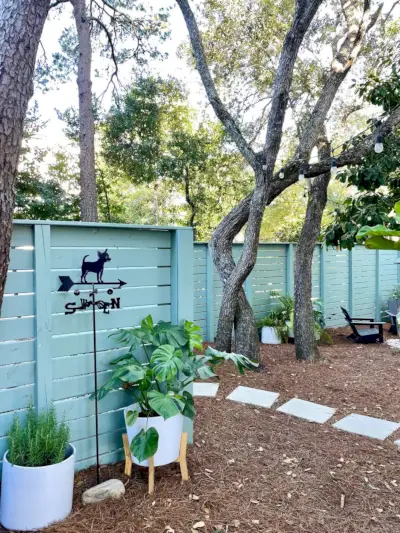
pixel 97 267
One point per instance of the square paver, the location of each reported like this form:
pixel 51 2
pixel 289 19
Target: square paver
pixel 367 426
pixel 313 412
pixel 261 398
pixel 205 389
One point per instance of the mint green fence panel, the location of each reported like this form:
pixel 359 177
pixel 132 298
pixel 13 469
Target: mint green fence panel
pixel 47 356
pixel 17 333
pixel 387 278
pixel 360 280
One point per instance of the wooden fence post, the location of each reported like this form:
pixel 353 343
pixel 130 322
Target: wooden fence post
pixel 377 286
pixel 182 289
pixel 351 284
pixel 210 295
pixel 43 322
pixel 289 269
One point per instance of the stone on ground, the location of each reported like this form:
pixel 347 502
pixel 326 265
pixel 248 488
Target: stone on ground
pixel 310 411
pixel 261 398
pixel 113 489
pixel 205 389
pixel 367 426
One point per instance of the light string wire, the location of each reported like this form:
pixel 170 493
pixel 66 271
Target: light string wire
pixel 376 122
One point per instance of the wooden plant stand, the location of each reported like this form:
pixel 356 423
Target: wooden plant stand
pixel 181 460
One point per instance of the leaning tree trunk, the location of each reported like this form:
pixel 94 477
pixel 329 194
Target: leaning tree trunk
pixel 306 345
pixel 21 25
pixel 86 119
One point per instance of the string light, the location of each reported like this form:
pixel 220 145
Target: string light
pixel 379 148
pixel 379 144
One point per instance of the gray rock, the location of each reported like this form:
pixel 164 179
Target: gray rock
pixel 113 488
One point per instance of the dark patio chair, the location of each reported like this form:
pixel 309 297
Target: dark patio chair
pixel 366 334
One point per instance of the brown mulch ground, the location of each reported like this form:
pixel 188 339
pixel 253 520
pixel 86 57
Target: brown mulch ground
pixel 257 470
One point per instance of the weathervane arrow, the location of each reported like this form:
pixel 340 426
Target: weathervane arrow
pixel 67 283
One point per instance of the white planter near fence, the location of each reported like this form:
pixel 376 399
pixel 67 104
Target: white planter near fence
pixel 169 435
pixel 35 497
pixel 269 335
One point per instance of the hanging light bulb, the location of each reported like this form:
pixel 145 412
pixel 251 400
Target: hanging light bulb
pixel 379 144
pixel 334 167
pixel 301 175
pixel 369 219
pixel 281 174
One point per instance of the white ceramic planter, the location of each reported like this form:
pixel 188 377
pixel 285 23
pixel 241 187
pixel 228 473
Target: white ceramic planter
pixel 269 336
pixel 35 497
pixel 169 436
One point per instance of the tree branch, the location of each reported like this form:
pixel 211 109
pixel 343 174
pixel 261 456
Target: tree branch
pixel 110 42
pixel 219 108
pixel 359 21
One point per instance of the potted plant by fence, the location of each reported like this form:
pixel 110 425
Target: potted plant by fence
pixel 278 325
pixel 274 327
pixel 38 472
pixel 157 369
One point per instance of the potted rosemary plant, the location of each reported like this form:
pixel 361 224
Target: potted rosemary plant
pixel 38 472
pixel 156 372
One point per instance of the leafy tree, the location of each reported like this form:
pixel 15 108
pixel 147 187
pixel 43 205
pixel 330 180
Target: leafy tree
pixel 119 30
pixel 353 21
pixel 152 136
pixel 377 180
pixel 46 198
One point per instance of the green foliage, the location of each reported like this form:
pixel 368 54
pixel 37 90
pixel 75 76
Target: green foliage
pixel 381 237
pixel 377 180
pixel 158 385
pixel 281 317
pixel 41 441
pixel 152 137
pixel 50 196
pixel 395 295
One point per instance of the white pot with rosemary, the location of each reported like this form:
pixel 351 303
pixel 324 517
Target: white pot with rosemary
pixel 157 372
pixel 38 472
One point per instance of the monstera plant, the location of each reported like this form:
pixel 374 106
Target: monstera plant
pixel 160 363
pixel 380 237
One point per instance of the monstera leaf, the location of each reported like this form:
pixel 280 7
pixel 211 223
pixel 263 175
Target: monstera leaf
pixel 240 361
pixel 380 237
pixel 165 405
pixel 145 444
pixel 166 362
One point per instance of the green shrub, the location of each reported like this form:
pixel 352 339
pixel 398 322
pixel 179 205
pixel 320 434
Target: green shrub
pixel 395 293
pixel 41 441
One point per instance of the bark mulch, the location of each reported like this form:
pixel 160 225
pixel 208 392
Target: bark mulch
pixel 258 470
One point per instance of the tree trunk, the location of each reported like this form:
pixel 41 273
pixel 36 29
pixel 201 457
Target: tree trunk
pixel 86 118
pixel 306 345
pixel 21 25
pixel 190 203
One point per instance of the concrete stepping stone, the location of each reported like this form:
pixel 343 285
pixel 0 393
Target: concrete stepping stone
pixel 313 412
pixel 205 389
pixel 367 426
pixel 261 398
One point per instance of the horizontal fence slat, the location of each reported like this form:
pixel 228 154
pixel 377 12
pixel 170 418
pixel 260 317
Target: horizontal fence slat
pixel 67 258
pixel 20 305
pixel 17 351
pixel 18 282
pixel 21 259
pixel 85 237
pixel 133 277
pixel 129 297
pixel 17 328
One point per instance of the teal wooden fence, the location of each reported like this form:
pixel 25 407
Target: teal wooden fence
pixel 46 356
pixel 360 280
